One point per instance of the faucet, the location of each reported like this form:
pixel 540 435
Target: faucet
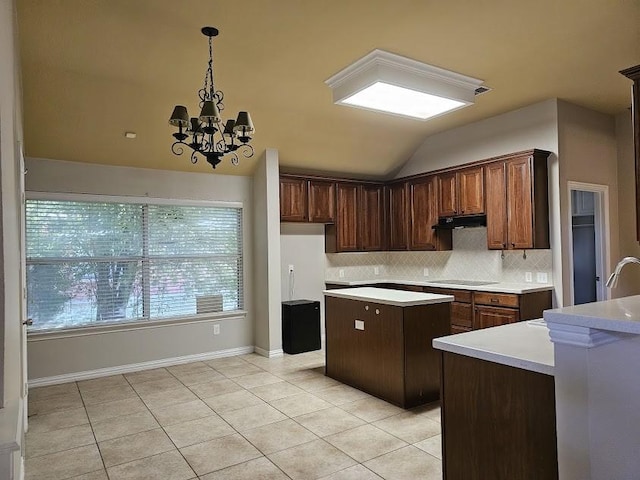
pixel 613 279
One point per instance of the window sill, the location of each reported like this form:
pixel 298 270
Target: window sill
pixel 41 335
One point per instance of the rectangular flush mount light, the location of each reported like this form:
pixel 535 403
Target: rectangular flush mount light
pixel 386 82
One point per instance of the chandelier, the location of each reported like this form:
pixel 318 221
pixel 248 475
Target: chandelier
pixel 208 134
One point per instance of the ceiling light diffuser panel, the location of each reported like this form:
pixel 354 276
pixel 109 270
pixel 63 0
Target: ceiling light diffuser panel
pixel 390 83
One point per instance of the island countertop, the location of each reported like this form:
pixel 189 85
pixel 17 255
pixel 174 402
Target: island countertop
pixel 493 287
pixel 385 296
pixel 524 345
pixel 620 315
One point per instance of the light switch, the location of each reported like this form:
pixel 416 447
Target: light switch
pixel 359 325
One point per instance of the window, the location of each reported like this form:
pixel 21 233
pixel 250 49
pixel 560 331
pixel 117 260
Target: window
pixel 91 263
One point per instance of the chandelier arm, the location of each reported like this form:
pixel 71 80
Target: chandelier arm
pixel 234 159
pixel 247 150
pixel 194 157
pixel 176 147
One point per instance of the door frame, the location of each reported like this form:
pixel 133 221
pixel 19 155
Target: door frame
pixel 602 235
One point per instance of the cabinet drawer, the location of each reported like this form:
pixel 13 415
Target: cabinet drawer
pixel 496 299
pixel 463 296
pixel 461 314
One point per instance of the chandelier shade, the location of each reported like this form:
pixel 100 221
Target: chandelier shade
pixel 208 137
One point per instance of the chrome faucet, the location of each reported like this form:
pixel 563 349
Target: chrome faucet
pixel 613 279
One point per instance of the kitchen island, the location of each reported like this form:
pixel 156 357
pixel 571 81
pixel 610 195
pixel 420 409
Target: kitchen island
pixel 379 341
pixel 498 404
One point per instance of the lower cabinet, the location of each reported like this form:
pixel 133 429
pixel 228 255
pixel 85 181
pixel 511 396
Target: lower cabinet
pixel 486 317
pixel 498 422
pixel 386 350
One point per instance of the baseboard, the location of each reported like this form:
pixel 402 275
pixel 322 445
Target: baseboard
pixel 134 367
pixel 269 353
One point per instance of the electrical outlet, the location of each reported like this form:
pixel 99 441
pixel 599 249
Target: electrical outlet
pixel 376 271
pixel 425 272
pixel 216 329
pixel 341 273
pixel 541 277
pixel 290 268
pixel 528 277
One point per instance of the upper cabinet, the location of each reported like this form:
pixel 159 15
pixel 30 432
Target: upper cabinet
pixel 423 207
pixel 633 73
pixel 461 192
pixel 293 199
pixel 397 214
pixel 306 200
pixel 359 224
pixel 322 198
pixel 517 202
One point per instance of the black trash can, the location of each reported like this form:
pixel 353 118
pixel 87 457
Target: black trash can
pixel 300 326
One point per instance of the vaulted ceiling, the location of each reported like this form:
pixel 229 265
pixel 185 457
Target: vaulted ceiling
pixel 93 69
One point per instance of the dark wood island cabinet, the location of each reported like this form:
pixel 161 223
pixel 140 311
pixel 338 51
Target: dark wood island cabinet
pixel 383 346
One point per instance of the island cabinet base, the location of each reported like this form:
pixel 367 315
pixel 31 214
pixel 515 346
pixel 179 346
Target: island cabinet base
pixel 498 422
pixel 386 350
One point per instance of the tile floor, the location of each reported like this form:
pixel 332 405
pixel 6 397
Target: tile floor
pixel 244 417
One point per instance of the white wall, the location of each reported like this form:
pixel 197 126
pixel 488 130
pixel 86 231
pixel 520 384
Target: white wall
pixel 302 245
pixel 587 152
pixel 534 126
pixel 11 427
pixel 55 356
pixel 266 278
pixel 629 283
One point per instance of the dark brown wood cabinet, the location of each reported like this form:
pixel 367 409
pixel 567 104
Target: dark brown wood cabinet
pixel 371 217
pixel 517 202
pixel 322 198
pixel 633 73
pixel 306 200
pixel 386 350
pixel 461 192
pixel 493 309
pixel 398 216
pixel 461 308
pixel 423 207
pixel 293 199
pixel 498 422
pixel 359 224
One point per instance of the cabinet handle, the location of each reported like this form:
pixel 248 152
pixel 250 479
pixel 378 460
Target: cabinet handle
pixel 462 212
pixel 366 307
pixel 495 300
pixel 513 245
pixel 377 311
pixel 504 245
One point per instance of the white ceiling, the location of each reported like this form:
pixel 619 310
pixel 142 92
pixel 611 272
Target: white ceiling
pixel 93 69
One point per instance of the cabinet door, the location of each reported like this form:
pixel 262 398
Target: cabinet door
pixel 493 316
pixel 371 217
pixel 398 217
pixel 424 213
pixel 471 191
pixel 322 197
pixel 447 195
pixel 496 197
pixel 519 203
pixel 346 217
pixel 293 199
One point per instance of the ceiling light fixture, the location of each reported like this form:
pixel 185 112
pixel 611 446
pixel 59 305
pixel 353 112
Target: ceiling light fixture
pixel 390 83
pixel 232 135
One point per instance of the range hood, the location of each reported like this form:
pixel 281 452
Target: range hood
pixel 449 223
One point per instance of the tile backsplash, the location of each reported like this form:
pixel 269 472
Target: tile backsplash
pixel 469 260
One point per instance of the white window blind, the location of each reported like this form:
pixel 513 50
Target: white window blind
pixel 93 263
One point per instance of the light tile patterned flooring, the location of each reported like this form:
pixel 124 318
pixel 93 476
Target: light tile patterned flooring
pixel 244 417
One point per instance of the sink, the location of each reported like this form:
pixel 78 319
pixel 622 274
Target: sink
pixel 470 283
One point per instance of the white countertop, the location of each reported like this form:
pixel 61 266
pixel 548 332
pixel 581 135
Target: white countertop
pixel 618 315
pixel 500 287
pixel 523 345
pixel 385 296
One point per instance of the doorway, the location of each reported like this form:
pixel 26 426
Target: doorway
pixel 588 234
